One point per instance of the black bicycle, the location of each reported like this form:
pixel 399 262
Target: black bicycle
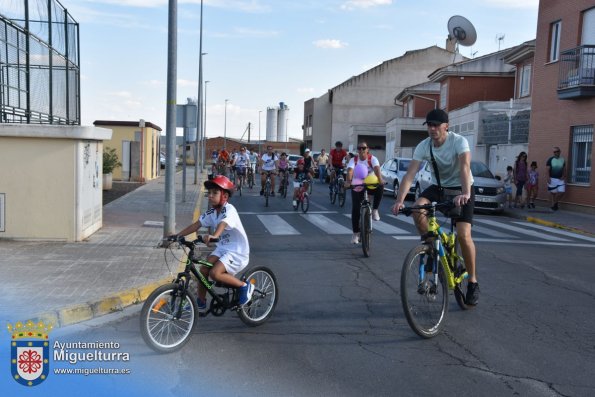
pixel 267 188
pixel 170 313
pixel 284 184
pixel 338 189
pixel 365 218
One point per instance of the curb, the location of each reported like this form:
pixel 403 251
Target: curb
pixel 543 222
pixel 111 303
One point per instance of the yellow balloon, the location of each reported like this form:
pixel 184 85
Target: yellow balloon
pixel 371 179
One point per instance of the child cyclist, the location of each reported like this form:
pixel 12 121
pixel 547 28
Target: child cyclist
pixel 302 175
pixel 232 252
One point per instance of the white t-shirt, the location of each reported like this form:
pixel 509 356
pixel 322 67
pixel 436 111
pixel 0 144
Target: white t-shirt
pixel 242 160
pixel 234 237
pixel 447 158
pixel 268 161
pixel 373 160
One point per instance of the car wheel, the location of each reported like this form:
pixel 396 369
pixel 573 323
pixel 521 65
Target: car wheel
pixel 417 191
pixel 395 188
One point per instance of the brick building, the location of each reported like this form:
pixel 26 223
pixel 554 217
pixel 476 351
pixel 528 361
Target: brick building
pixel 563 108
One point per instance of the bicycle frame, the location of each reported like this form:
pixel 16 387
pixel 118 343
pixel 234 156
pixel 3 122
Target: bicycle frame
pixel 444 244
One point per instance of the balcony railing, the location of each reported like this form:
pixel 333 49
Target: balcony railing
pixel 576 76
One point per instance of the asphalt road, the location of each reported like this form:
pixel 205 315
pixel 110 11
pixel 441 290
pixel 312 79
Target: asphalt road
pixel 339 329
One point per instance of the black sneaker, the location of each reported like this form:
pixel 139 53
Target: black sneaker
pixel 472 293
pixel 262 192
pixel 272 194
pixel 555 207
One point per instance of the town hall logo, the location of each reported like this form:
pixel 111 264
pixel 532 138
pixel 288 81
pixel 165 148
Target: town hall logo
pixel 30 358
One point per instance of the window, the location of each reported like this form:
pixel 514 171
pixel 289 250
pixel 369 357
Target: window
pixel 525 88
pixel 555 29
pixel 443 94
pixel 582 143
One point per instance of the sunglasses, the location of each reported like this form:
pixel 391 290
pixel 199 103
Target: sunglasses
pixel 362 147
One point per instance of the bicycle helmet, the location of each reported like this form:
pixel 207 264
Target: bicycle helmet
pixel 222 183
pixel 371 181
pixel 300 161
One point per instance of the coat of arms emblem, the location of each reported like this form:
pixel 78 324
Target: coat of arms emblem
pixel 30 358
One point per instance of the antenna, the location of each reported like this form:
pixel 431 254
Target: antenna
pixel 461 31
pixel 499 39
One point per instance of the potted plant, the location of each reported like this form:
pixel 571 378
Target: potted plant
pixel 110 162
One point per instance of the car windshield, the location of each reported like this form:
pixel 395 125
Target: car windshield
pixel 480 170
pixel 404 165
pixel 293 157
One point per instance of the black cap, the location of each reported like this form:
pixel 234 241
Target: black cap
pixel 436 116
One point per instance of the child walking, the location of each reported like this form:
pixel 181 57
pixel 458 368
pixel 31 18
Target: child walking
pixel 532 185
pixel 508 185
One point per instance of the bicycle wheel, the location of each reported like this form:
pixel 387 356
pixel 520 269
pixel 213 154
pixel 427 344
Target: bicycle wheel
pixel 284 187
pixel 341 195
pixel 310 186
pixel 425 303
pixel 365 230
pixel 333 194
pixel 459 268
pixel 240 183
pixel 267 192
pixel 305 202
pixel 160 328
pixel 264 299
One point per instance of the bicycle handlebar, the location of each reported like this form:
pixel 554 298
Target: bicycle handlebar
pixel 189 244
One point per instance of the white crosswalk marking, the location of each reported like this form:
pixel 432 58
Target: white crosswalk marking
pixel 402 218
pixel 485 230
pixel 277 226
pixel 326 224
pixel 385 228
pixel 557 231
pixel 516 229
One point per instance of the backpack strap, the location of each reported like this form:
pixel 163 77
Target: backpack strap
pixel 435 166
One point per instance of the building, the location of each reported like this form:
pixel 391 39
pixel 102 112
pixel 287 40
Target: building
pixel 563 105
pixel 137 145
pixel 359 108
pixel 488 101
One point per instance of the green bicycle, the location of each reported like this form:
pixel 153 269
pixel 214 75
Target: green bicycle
pixel 429 271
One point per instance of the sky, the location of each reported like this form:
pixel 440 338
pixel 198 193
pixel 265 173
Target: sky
pixel 262 52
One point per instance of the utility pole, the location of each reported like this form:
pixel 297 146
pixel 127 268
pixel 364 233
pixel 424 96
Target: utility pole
pixel 199 115
pixel 169 224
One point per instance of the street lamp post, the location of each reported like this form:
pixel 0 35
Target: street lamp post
pixel 225 126
pixel 204 127
pixel 199 116
pixel 259 141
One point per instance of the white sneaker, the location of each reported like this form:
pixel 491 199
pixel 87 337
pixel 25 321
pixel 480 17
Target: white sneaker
pixel 294 203
pixel 375 215
pixel 355 238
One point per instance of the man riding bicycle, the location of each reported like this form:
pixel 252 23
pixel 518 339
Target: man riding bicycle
pixel 223 161
pixel 450 156
pixel 268 164
pixel 240 162
pixel 335 162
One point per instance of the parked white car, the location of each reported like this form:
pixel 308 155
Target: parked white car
pixel 489 192
pixel 393 171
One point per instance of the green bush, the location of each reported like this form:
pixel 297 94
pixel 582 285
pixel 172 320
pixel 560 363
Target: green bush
pixel 110 160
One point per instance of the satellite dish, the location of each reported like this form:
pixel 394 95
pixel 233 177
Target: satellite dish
pixel 461 31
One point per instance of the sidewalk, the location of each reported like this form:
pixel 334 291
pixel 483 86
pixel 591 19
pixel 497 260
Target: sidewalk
pixel 577 222
pixel 119 265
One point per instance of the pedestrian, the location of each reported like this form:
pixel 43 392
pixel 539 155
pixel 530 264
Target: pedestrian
pixel 450 157
pixel 532 185
pixel 508 179
pixel 556 183
pixel 372 166
pixel 520 178
pixel 233 250
pixel 322 160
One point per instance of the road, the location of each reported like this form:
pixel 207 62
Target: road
pixel 339 329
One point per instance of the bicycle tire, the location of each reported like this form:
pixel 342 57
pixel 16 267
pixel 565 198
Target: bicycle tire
pixel 160 331
pixel 284 187
pixel 333 194
pixel 305 202
pixel 365 230
pixel 240 186
pixel 267 192
pixel 341 196
pixel 264 299
pixel 459 268
pixel 310 185
pixel 425 311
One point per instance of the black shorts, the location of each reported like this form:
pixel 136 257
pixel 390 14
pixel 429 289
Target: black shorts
pixel 432 193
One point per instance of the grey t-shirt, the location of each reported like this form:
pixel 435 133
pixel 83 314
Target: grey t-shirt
pixel 447 158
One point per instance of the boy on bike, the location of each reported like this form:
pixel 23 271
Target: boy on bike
pixel 302 175
pixel 233 250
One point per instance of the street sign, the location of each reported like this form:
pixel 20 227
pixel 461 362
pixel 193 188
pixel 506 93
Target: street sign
pixel 186 116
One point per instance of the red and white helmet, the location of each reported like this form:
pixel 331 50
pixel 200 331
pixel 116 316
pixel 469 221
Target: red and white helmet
pixel 221 182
